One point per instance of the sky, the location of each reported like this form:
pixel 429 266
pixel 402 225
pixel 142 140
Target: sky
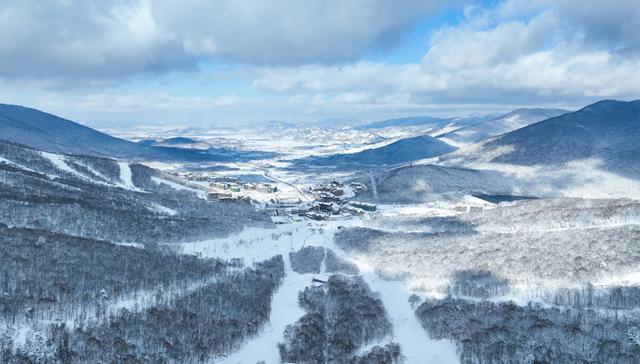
pixel 230 63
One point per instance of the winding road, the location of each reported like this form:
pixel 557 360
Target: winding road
pixel 266 175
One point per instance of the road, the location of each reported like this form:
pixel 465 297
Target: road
pixel 266 175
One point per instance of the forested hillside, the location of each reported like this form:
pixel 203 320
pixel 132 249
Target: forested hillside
pixel 104 199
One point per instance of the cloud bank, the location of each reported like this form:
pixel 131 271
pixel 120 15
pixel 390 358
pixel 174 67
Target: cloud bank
pixel 112 38
pixel 312 59
pixel 503 54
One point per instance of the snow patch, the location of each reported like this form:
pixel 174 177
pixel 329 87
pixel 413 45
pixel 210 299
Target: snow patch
pixel 60 162
pixel 14 164
pixel 162 209
pixel 177 186
pixel 415 343
pixel 126 176
pixel 284 311
pixel 21 335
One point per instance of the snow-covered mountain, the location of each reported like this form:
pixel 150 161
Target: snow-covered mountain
pixel 406 283
pixel 407 121
pixel 590 153
pixel 401 151
pixel 428 123
pixel 608 131
pixel 516 119
pixel 53 134
pixel 102 198
pixel 179 142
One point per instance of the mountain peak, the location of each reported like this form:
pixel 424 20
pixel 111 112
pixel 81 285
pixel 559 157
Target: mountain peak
pixel 608 130
pixel 611 105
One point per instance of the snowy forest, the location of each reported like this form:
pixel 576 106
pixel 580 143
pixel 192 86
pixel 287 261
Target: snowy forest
pixel 266 258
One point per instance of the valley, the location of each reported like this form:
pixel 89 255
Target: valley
pixel 378 244
pixel 319 182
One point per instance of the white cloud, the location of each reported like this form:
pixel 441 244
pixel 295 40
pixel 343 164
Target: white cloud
pixel 465 46
pixel 495 55
pixel 108 102
pixel 352 98
pixel 83 39
pixel 107 39
pixel 306 57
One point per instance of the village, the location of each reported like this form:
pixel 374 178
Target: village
pixel 287 202
pixel 335 199
pixel 283 201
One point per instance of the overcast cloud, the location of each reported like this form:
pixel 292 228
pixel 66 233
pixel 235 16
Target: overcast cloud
pixel 219 61
pixel 105 39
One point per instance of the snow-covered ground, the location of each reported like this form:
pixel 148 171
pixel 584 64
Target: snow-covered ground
pixel 255 244
pixel 61 163
pixel 177 186
pixel 415 343
pixel 284 311
pixel 14 164
pixel 125 175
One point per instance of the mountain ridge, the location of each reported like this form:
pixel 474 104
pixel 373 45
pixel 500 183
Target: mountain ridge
pixel 607 129
pixel 401 151
pixel 54 134
pixel 510 121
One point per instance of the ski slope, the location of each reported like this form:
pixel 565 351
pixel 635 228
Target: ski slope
pixel 256 244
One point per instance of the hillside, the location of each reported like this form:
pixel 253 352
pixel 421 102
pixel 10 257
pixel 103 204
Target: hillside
pixel 101 198
pixel 590 153
pixel 401 151
pixel 608 131
pixel 556 243
pixel 53 134
pixel 508 122
pixel 422 183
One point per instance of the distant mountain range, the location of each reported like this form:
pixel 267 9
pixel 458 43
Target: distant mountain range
pixel 182 143
pixel 594 151
pixel 51 133
pixel 180 140
pixel 503 124
pixel 608 130
pixel 401 151
pixel 408 121
pixel 465 131
pixel 427 122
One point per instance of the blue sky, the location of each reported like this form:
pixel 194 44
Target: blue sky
pixel 241 62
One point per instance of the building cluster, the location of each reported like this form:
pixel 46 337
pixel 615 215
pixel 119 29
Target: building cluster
pixel 332 199
pixel 222 189
pixel 196 177
pixel 465 207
